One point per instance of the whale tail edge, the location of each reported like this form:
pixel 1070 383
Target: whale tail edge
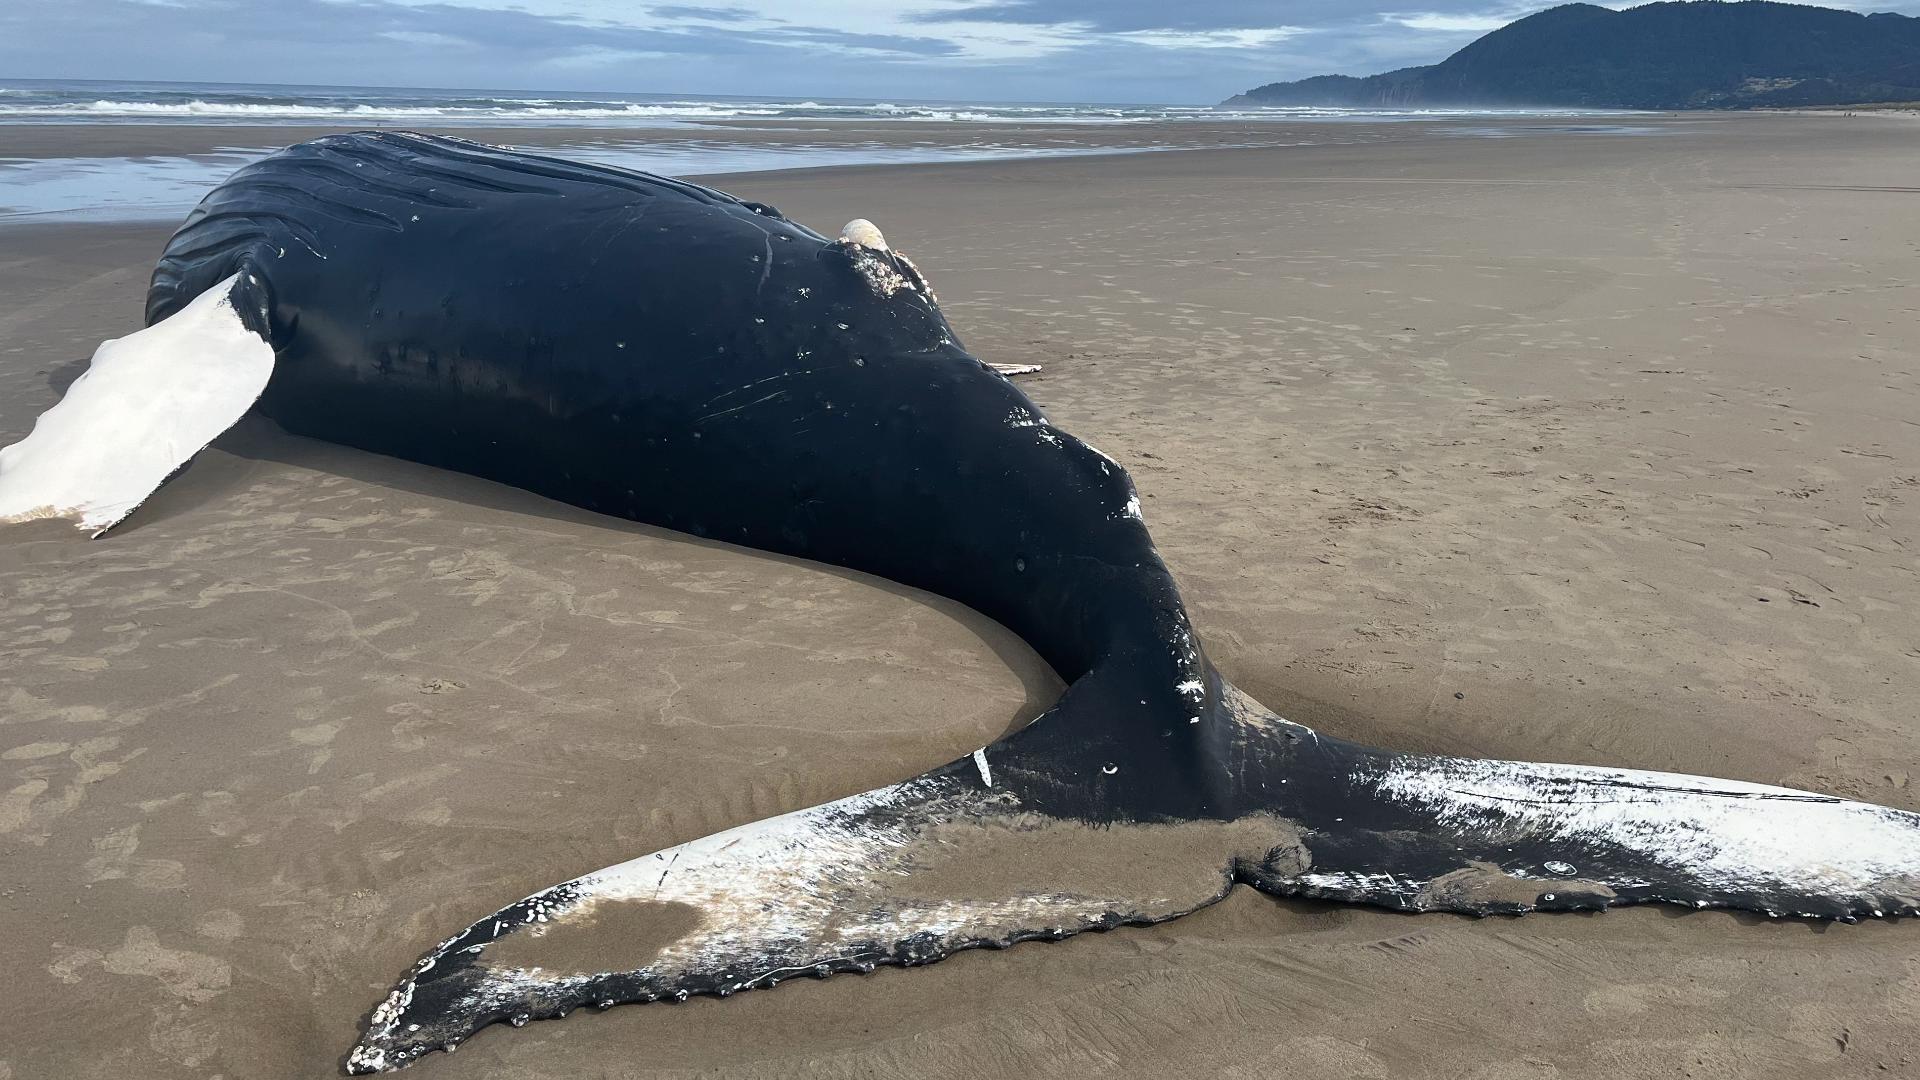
pixel 900 876
pixel 147 404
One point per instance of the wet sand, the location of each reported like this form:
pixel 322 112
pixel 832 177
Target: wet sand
pixel 1578 448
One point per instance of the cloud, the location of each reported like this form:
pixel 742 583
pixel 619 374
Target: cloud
pixel 1455 24
pixel 1060 50
pixel 705 14
pixel 1209 39
pixel 1120 16
pixel 386 42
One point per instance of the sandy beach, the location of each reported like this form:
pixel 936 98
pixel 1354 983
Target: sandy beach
pixel 1574 447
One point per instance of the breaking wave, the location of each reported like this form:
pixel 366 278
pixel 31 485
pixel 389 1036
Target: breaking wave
pixel 46 106
pixel 29 101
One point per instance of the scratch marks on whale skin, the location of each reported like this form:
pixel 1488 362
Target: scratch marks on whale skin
pixel 727 395
pixel 775 396
pixel 766 263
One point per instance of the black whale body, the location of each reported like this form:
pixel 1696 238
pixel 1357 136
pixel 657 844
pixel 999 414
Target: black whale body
pixel 659 351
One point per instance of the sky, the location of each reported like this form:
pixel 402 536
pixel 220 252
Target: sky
pixel 1135 51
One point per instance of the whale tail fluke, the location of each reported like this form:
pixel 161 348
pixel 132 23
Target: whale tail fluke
pixel 1429 833
pixel 902 876
pixel 1046 834
pixel 146 405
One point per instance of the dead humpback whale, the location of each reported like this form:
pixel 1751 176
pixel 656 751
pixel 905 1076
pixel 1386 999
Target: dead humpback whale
pixel 660 351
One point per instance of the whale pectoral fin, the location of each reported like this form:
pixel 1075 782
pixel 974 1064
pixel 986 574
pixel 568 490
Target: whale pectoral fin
pixel 1424 833
pixel 1011 370
pixel 146 405
pixel 903 875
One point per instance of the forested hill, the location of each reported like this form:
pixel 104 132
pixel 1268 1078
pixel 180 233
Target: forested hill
pixel 1699 55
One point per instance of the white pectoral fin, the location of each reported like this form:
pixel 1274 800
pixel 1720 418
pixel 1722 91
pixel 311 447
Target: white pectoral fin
pixel 147 404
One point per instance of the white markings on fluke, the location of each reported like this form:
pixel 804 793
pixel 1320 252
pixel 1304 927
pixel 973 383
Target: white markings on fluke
pixel 808 892
pixel 754 886
pixel 1724 835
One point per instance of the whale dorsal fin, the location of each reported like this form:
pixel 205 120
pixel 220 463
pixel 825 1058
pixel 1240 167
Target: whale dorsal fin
pixel 147 404
pixel 887 271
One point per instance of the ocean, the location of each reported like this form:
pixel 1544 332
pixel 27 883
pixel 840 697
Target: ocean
pixel 26 101
pixel 664 133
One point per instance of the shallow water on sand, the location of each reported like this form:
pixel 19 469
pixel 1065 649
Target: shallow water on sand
pixel 129 188
pixel 133 188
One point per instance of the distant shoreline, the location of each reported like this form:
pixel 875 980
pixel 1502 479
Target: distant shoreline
pixel 1878 108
